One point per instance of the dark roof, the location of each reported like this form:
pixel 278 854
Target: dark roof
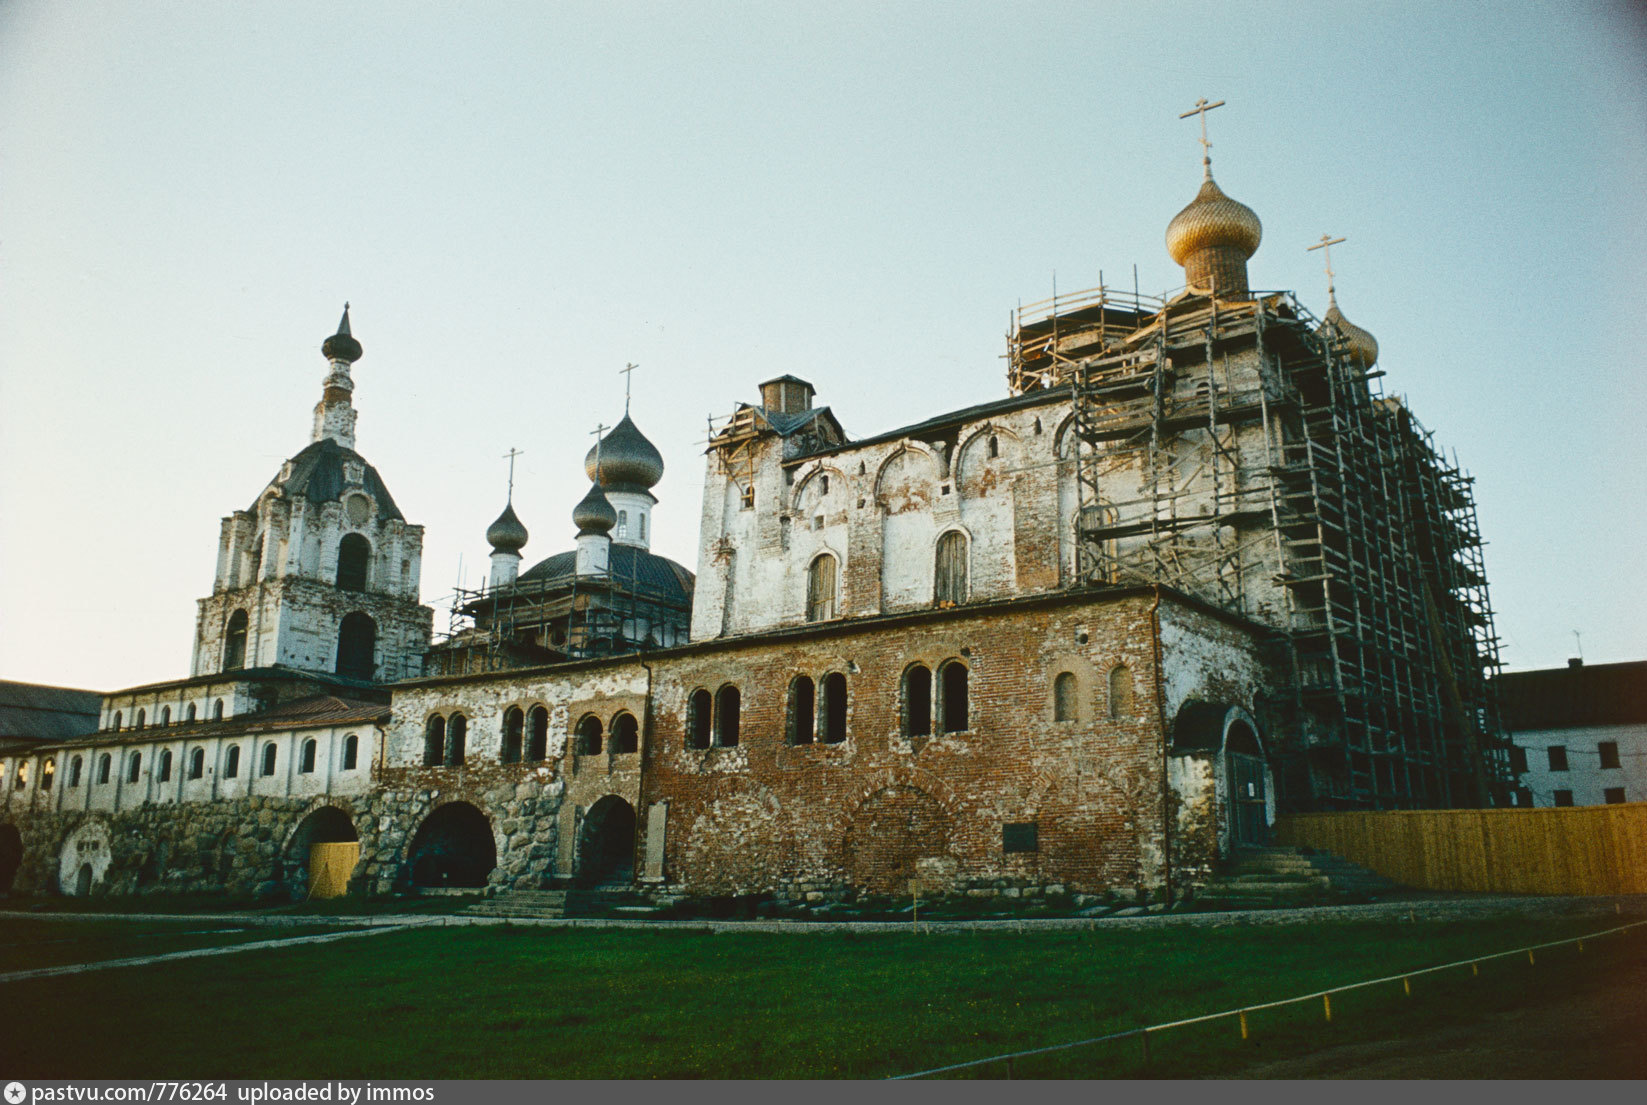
pixel 317 475
pixel 33 711
pixel 300 713
pixel 945 421
pixel 1574 697
pixel 628 567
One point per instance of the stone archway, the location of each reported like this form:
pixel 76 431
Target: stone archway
pixel 454 847
pixel 11 856
pixel 1244 760
pixel 85 859
pixel 318 869
pixel 606 843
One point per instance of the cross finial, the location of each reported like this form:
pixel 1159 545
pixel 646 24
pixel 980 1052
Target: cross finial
pixel 1201 108
pixel 510 457
pixel 627 370
pixel 1578 640
pixel 598 431
pixel 1326 243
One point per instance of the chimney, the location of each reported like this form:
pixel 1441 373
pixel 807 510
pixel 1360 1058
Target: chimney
pixel 1575 662
pixel 787 395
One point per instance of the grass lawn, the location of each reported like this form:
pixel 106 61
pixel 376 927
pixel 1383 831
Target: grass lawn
pixel 25 944
pixel 566 1003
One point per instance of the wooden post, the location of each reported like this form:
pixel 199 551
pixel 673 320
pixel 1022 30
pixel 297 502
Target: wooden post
pixel 1243 1024
pixel 1475 970
pixel 1407 985
pixel 1531 962
pixel 1326 1006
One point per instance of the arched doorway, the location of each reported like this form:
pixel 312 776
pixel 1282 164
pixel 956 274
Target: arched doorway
pixel 11 856
pixel 1244 760
pixel 327 847
pixel 606 843
pixel 453 847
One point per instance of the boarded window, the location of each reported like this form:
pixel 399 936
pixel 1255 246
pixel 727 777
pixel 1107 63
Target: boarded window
pixel 589 736
pixel 306 761
pixel 356 641
pixel 197 764
pixel 833 712
pixel 165 773
pixel 1120 692
pixel 538 748
pixel 231 763
pixel 803 702
pixel 625 734
pixel 918 701
pixel 514 734
pixel 820 589
pixel 727 704
pixel 434 741
pixel 953 696
pixel 269 759
pixel 351 752
pixel 698 713
pixel 950 574
pixel 234 642
pixel 1020 836
pixel 457 740
pixel 1558 757
pixel 1064 698
pixel 354 556
pixel 1609 753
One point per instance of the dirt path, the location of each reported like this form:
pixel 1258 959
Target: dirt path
pixel 190 953
pixel 1593 1029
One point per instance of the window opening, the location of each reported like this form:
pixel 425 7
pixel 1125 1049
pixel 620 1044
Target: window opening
pixel 103 768
pixel 165 715
pixel 949 576
pixel 166 766
pixel 699 711
pixel 1609 753
pixel 625 734
pixel 217 710
pixel 1558 757
pixel 953 688
pixel 589 736
pixel 1613 796
pixel 727 704
pixel 1120 691
pixel 833 717
pixel 354 556
pixel 197 763
pixel 356 641
pixel 306 762
pixel 1563 797
pixel 49 769
pixel 802 708
pixel 234 642
pixel 190 715
pixel 1063 697
pixel 457 740
pixel 918 701
pixel 820 589
pixel 539 748
pixel 231 765
pixel 75 766
pixel 134 767
pixel 351 752
pixel 514 732
pixel 269 759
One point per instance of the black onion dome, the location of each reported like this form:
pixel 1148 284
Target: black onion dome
pixel 628 462
pixel 594 514
pixel 342 346
pixel 507 534
pixel 636 570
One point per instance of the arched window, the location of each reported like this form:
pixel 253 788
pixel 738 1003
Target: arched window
pixel 623 523
pixel 75 766
pixel 117 719
pixel 22 779
pixel 952 696
pixel 197 764
pixel 699 711
pixel 588 736
pixel 47 771
pixel 918 701
pixel 234 642
pixel 514 730
pixel 165 715
pixel 803 705
pixel 949 576
pixel 457 740
pixel 189 716
pixel 356 639
pixel 727 703
pixel 231 763
pixel 217 710
pixel 1063 698
pixel 269 758
pixel 134 767
pixel 306 761
pixel 351 752
pixel 1120 691
pixel 625 733
pixel 820 589
pixel 538 748
pixel 832 716
pixel 640 524
pixel 165 766
pixel 354 555
pixel 103 768
pixel 994 446
pixel 142 718
pixel 434 741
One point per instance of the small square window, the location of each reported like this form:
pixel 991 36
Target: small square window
pixel 1558 758
pixel 1609 753
pixel 1020 836
pixel 1613 795
pixel 1563 797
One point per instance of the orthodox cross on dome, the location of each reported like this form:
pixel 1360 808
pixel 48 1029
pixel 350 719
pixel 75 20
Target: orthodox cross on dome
pixel 627 370
pixel 510 457
pixel 1201 108
pixel 1326 243
pixel 598 431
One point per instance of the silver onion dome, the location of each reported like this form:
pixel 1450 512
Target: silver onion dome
pixel 507 534
pixel 627 461
pixel 594 513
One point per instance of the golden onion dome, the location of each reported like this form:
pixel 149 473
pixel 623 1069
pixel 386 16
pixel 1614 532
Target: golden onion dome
pixel 1357 345
pixel 1211 220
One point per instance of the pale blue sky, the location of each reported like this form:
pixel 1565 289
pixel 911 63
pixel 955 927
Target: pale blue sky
pixel 519 198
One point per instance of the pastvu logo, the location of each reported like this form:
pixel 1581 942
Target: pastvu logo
pixel 15 1093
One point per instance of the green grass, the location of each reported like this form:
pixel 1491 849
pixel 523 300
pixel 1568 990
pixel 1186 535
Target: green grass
pixel 30 943
pixel 569 1003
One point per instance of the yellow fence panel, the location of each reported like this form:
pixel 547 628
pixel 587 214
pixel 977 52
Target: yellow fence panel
pixel 329 868
pixel 1570 850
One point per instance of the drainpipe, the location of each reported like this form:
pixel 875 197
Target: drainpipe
pixel 640 784
pixel 1161 720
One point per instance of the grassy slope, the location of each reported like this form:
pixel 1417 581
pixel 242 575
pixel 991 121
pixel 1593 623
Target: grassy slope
pixel 25 944
pixel 543 1003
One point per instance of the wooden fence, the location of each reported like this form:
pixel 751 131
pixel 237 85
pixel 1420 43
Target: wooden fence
pixel 1571 850
pixel 330 866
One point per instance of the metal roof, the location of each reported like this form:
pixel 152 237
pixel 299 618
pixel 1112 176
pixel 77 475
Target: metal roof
pixel 644 572
pixel 36 712
pixel 317 475
pixel 1574 697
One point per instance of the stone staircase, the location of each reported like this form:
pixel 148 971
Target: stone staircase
pixel 598 901
pixel 1279 876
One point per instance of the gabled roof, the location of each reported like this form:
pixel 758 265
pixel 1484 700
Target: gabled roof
pixel 1574 697
pixel 36 712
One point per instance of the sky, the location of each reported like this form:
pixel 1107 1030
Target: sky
pixel 520 198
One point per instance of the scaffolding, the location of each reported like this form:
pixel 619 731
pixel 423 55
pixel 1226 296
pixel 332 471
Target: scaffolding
pixel 1231 451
